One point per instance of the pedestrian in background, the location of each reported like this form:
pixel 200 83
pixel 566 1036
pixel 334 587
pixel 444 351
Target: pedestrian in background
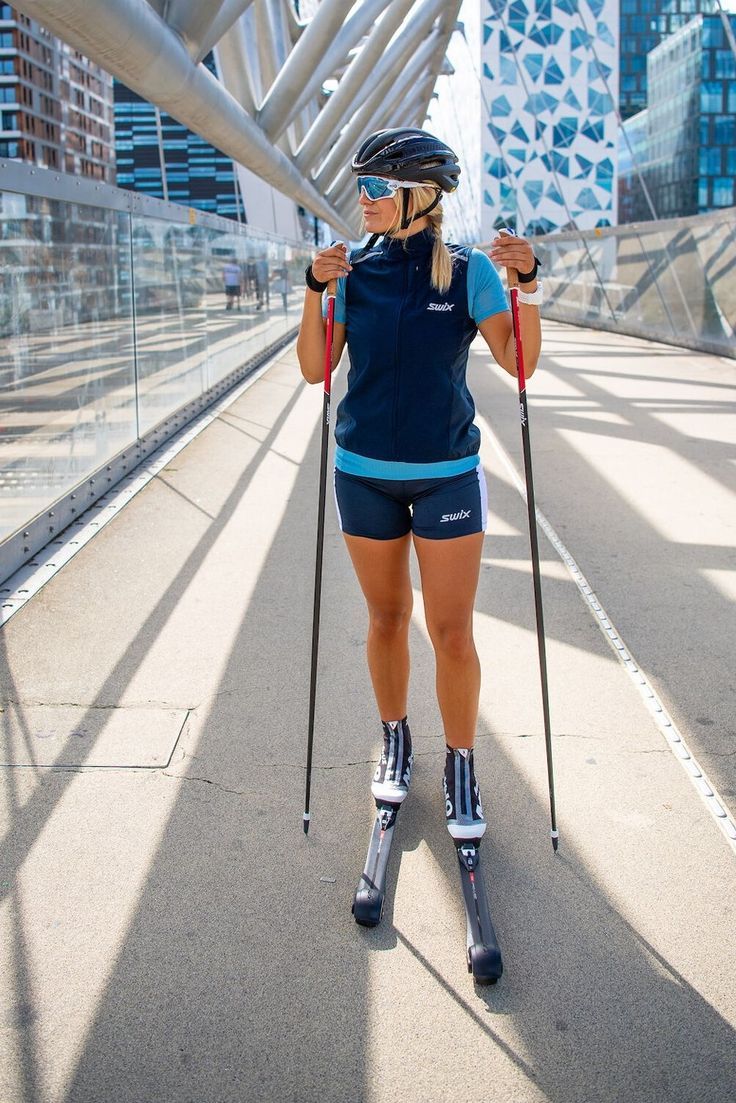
pixel 233 279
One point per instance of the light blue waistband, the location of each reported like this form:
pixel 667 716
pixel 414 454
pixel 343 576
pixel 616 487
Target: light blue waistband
pixel 353 464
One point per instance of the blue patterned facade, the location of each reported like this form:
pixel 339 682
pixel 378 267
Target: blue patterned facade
pixel 549 132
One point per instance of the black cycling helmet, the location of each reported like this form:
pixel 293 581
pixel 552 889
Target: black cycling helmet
pixel 405 153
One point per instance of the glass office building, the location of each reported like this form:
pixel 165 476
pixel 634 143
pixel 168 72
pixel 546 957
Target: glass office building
pixel 685 144
pixel 197 174
pixel 643 25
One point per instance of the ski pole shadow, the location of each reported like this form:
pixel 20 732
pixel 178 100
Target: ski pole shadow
pixel 484 992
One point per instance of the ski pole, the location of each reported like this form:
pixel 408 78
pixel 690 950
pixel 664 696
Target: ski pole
pixel 331 290
pixel 513 280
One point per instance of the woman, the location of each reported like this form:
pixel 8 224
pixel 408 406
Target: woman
pixel 406 464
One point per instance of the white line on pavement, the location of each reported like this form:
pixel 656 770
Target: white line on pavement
pixel 708 793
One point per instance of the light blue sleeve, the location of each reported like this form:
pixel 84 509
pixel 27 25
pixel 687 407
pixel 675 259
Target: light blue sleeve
pixel 340 314
pixel 486 295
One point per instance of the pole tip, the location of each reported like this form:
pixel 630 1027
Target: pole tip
pixel 555 839
pixel 305 822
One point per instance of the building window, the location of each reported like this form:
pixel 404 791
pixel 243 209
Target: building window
pixel 710 162
pixel 723 192
pixel 711 96
pixel 724 130
pixel 712 33
pixel 8 149
pixel 725 64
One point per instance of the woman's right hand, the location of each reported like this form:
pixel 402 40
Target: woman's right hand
pixel 331 264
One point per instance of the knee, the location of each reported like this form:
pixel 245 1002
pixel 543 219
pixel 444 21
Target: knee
pixel 389 622
pixel 453 641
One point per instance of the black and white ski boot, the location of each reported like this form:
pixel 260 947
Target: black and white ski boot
pixel 391 780
pixel 463 808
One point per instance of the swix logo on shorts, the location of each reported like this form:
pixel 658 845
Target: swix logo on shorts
pixel 440 306
pixel 455 516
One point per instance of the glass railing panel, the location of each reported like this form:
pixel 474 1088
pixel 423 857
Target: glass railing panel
pixel 67 386
pixel 676 278
pixel 716 248
pixel 113 317
pixel 241 326
pixel 668 280
pixel 170 277
pixel 641 274
pixel 570 274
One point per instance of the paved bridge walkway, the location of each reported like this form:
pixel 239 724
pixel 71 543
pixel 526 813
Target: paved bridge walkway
pixel 168 931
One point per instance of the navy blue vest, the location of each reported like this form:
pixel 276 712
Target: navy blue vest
pixel 407 399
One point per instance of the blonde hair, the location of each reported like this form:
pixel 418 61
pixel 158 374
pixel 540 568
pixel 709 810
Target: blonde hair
pixel 419 198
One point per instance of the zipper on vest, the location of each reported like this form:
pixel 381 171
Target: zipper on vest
pixel 394 442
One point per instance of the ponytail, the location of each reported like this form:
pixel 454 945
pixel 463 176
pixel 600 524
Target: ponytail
pixel 441 257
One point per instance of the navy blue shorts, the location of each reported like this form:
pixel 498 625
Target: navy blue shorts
pixel 437 509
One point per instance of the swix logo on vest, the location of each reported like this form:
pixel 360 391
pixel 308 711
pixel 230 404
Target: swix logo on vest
pixel 455 516
pixel 440 306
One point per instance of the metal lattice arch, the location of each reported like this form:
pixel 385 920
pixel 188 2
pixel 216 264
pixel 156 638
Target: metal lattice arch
pixel 270 111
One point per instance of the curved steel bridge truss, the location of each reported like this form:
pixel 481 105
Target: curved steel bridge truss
pixel 269 110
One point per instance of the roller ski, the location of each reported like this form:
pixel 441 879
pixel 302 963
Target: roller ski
pixel 389 788
pixel 466 824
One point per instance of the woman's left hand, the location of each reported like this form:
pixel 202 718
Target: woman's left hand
pixel 513 252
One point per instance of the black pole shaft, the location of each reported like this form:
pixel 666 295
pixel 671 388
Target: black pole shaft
pixel 533 540
pixel 319 554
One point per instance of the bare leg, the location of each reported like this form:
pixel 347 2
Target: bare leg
pixel 449 570
pixel 382 567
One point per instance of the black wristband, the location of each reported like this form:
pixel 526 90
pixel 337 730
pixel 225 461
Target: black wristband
pixel 527 277
pixel 312 282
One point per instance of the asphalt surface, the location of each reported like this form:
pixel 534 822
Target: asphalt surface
pixel 168 932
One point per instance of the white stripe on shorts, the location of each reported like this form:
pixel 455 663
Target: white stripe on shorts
pixel 483 488
pixel 334 491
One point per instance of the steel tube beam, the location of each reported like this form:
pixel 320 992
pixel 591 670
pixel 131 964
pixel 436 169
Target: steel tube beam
pixel 227 17
pixel 301 62
pixel 340 185
pixel 296 26
pixel 387 94
pixel 399 113
pixel 446 27
pixel 232 62
pixel 191 19
pixel 131 41
pixel 243 35
pixel 282 44
pixel 265 32
pixel 368 69
pixel 335 56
